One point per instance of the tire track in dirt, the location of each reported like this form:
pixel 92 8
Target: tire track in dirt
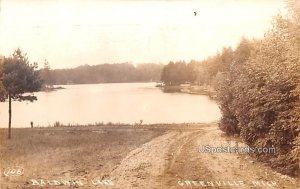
pixel 239 167
pixel 144 166
pixel 191 165
pixel 175 156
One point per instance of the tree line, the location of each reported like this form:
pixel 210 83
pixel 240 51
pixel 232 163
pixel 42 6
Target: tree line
pixel 198 72
pixel 102 73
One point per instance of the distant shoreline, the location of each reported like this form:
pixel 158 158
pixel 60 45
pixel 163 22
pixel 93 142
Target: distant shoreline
pixel 52 88
pixel 190 89
pixel 63 84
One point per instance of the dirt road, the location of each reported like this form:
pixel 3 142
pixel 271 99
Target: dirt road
pixel 173 160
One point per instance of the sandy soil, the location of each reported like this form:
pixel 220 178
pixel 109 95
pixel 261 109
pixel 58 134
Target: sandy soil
pixel 160 156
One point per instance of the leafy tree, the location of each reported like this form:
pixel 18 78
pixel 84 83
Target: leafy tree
pixel 243 51
pixel 229 85
pixel 19 78
pixel 167 75
pixel 179 73
pixel 46 74
pixel 212 65
pixel 226 59
pixel 192 71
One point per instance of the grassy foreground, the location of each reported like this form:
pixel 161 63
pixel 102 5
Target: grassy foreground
pixel 67 152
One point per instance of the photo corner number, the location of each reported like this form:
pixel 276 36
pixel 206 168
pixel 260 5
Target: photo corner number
pixel 13 171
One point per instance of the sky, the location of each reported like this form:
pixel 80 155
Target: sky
pixel 70 33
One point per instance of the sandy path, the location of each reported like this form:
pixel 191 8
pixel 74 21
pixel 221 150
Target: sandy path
pixel 174 157
pixel 238 167
pixel 143 166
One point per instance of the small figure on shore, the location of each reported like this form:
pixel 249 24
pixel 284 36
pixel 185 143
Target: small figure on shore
pixel 136 124
pixel 31 123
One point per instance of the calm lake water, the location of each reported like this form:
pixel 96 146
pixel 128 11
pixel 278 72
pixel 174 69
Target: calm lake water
pixel 118 102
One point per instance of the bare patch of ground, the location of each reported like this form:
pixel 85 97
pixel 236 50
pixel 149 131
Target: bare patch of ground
pixel 220 170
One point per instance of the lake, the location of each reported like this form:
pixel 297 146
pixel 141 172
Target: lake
pixel 117 102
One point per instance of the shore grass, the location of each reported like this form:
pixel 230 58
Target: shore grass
pixel 67 152
pixel 116 124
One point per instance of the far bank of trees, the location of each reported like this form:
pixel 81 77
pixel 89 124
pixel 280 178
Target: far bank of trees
pixel 102 73
pixel 198 72
pixel 178 73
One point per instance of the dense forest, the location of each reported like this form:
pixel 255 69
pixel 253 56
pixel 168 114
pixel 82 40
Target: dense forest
pixel 258 89
pixel 102 73
pixel 259 92
pixel 200 72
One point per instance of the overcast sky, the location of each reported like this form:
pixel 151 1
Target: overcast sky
pixel 69 33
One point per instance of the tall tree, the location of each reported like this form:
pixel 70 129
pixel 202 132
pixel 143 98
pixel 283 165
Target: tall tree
pixel 226 59
pixel 46 74
pixel 19 77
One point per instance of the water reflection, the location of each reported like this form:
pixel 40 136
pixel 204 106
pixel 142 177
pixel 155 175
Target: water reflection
pixel 125 103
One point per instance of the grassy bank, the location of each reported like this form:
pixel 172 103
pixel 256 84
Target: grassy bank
pixel 67 152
